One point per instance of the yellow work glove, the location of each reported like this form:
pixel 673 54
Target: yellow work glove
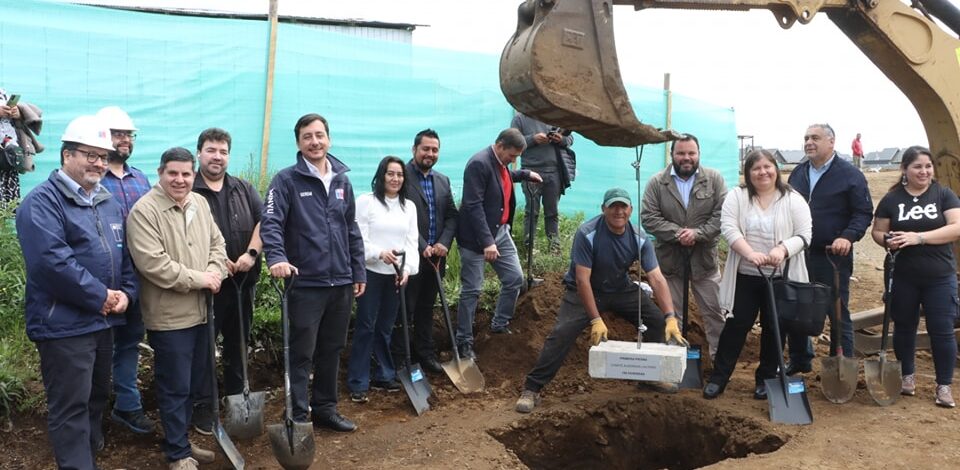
pixel 598 331
pixel 672 332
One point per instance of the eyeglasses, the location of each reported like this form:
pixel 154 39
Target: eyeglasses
pixel 121 134
pixel 93 157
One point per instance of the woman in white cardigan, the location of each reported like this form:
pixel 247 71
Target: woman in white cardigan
pixel 765 222
pixel 388 223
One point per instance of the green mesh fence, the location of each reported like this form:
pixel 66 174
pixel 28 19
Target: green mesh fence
pixel 178 75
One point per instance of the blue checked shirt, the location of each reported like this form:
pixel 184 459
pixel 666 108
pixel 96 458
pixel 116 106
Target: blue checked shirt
pixel 426 183
pixel 128 188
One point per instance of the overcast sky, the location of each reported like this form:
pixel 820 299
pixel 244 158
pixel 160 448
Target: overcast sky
pixel 778 81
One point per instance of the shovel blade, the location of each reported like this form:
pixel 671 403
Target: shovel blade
pixel 466 377
pixel 787 399
pixel 838 377
pixel 415 384
pixel 299 456
pixel 226 445
pixel 883 380
pixel 693 374
pixel 244 415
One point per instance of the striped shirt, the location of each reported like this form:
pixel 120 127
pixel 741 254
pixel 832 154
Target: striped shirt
pixel 128 188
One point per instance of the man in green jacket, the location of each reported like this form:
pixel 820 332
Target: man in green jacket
pixel 180 256
pixel 681 208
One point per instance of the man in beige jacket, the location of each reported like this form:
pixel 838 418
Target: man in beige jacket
pixel 681 208
pixel 181 258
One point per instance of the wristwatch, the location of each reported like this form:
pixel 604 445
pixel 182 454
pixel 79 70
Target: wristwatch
pixel 253 252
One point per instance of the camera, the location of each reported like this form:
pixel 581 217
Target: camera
pixel 559 131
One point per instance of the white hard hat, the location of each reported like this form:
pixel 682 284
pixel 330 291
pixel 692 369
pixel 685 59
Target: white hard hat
pixel 116 118
pixel 88 130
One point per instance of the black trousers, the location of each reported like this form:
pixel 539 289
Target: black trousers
pixel 319 317
pixel 750 297
pixel 76 377
pixel 572 320
pixel 230 319
pixel 421 295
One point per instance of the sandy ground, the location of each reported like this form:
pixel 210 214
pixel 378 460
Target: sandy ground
pixel 584 422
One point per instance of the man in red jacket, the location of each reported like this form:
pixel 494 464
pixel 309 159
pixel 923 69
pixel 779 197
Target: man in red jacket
pixel 857 149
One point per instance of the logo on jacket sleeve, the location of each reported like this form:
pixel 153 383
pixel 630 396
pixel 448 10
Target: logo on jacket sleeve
pixel 339 193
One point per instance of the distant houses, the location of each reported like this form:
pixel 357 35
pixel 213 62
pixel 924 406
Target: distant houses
pixel 886 159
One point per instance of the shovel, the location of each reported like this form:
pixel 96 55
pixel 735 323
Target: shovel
pixel 531 221
pixel 838 373
pixel 244 414
pixel 692 375
pixel 464 373
pixel 411 376
pixel 223 440
pixel 786 396
pixel 882 376
pixel 292 442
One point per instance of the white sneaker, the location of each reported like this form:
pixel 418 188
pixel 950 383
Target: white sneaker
pixel 909 387
pixel 945 396
pixel 183 464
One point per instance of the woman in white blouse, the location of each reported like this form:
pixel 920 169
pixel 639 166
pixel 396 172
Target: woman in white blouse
pixel 764 222
pixel 388 222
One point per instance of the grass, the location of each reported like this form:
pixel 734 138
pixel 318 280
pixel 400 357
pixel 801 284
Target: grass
pixel 19 362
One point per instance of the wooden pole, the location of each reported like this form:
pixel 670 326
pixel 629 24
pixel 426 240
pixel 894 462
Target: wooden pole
pixel 669 94
pixel 268 96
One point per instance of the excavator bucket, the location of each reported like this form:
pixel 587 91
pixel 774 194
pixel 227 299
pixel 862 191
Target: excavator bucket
pixel 561 67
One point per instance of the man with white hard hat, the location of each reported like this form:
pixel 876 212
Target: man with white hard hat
pixel 128 185
pixel 80 281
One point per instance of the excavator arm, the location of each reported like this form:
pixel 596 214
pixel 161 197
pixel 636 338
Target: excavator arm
pixel 561 64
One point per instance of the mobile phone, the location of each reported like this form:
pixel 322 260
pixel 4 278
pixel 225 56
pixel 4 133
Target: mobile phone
pixel 14 99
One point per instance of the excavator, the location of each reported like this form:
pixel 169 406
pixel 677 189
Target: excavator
pixel 584 91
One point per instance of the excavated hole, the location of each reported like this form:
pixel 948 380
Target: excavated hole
pixel 665 432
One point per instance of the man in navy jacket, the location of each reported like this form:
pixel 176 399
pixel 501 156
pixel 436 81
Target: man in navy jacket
pixel 309 229
pixel 841 209
pixel 80 280
pixel 483 233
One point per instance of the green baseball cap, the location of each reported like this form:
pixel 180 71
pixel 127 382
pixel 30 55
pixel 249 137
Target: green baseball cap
pixel 616 195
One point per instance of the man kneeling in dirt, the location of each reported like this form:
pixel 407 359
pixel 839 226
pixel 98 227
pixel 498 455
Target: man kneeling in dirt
pixel 603 250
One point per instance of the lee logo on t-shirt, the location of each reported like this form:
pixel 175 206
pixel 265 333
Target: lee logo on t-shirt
pixel 917 212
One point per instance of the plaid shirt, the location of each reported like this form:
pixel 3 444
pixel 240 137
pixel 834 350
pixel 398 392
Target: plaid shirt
pixel 426 183
pixel 127 189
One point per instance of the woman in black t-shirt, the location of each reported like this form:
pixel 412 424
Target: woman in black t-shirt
pixel 919 219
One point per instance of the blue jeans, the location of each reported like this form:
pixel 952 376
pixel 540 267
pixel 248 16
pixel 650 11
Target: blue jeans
pixel 507 267
pixel 376 313
pixel 940 303
pixel 181 360
pixel 76 377
pixel 820 270
pixel 126 357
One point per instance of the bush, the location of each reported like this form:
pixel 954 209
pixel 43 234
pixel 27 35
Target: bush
pixel 18 356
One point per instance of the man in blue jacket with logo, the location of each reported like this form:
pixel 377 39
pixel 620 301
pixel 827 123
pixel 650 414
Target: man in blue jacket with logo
pixel 80 280
pixel 309 229
pixel 842 210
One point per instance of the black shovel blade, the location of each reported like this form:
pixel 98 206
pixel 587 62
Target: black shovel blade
pixel 787 398
pixel 292 445
pixel 226 445
pixel 838 378
pixel 244 415
pixel 415 384
pixel 692 376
